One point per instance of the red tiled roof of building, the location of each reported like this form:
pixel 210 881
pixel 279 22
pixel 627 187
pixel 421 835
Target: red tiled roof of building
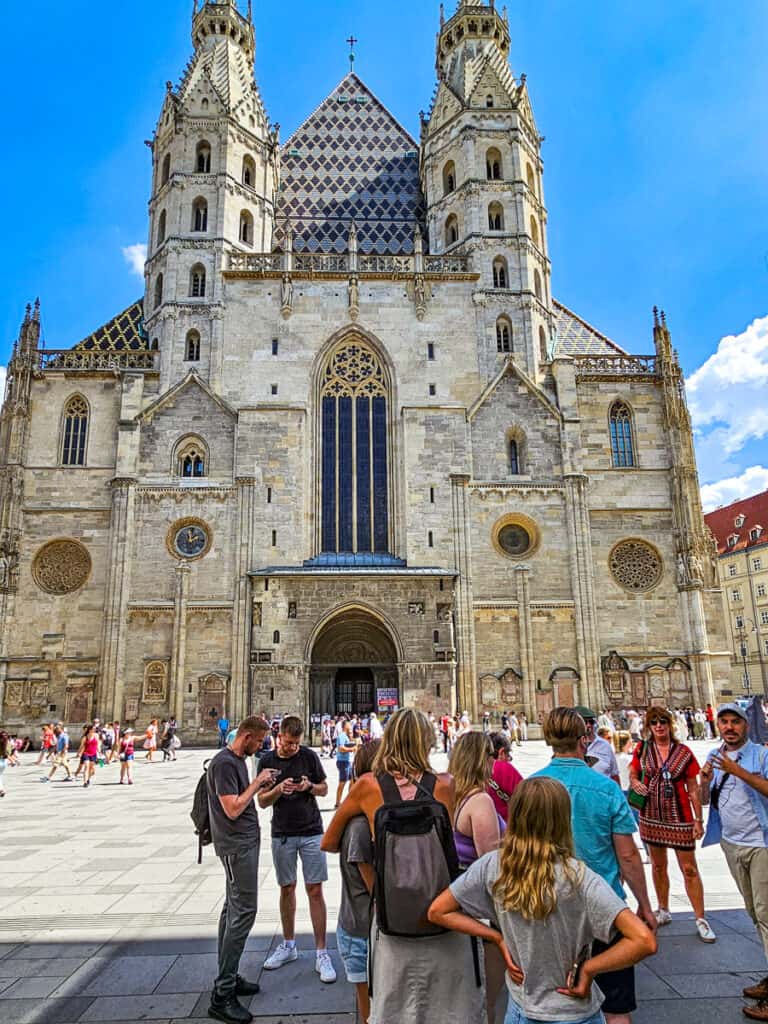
pixel 722 523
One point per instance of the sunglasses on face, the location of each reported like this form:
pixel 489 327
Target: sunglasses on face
pixel 658 721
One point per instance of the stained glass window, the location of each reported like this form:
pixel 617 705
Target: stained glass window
pixel 75 432
pixel 354 464
pixel 622 445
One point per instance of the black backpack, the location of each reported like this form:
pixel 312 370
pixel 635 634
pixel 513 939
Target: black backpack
pixel 201 815
pixel 415 858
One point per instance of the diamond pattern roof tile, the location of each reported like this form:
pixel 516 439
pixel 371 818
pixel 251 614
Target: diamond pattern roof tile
pixel 123 332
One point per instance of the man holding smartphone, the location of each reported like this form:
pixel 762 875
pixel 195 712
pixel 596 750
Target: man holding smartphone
pixel 297 829
pixel 236 838
pixel 734 782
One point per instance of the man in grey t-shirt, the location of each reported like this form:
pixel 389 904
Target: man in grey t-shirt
pixel 236 838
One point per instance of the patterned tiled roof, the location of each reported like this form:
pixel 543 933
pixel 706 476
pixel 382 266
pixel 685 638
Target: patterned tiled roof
pixel 575 337
pixel 123 333
pixel 350 160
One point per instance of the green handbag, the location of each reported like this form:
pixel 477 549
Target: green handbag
pixel 638 800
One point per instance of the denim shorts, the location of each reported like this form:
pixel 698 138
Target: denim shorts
pixel 354 955
pixel 345 770
pixel 286 851
pixel 516 1016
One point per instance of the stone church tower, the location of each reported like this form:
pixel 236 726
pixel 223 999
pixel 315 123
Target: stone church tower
pixel 348 452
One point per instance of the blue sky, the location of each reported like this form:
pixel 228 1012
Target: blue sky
pixel 655 165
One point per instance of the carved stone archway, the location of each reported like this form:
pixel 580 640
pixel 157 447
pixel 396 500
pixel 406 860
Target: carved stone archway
pixel 353 665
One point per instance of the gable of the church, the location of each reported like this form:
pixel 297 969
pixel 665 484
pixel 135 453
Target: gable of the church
pixel 350 161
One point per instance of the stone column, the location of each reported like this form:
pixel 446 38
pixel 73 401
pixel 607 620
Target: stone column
pixel 179 642
pixel 580 556
pixel 110 692
pixel 241 612
pixel 464 610
pixel 525 627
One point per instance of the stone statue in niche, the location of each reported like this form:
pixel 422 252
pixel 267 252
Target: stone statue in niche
pixel 695 568
pixel 286 296
pixel 292 609
pixel 415 607
pixel 353 291
pixel 443 613
pixel 257 614
pixel 682 570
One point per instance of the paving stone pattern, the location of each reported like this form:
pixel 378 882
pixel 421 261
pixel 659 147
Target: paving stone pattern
pixel 106 916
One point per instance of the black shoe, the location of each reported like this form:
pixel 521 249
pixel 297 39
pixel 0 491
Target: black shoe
pixel 247 988
pixel 229 1010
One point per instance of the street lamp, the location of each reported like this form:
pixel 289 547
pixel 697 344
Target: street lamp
pixel 743 637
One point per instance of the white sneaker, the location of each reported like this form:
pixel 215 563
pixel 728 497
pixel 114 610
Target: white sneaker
pixel 284 954
pixel 324 966
pixel 663 917
pixel 705 932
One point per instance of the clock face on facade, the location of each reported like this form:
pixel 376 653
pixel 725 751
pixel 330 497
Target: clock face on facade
pixel 189 538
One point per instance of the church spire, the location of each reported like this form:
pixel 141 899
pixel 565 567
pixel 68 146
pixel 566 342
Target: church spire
pixel 213 22
pixel 471 31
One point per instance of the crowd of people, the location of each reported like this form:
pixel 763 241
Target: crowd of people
pixel 100 744
pixel 534 871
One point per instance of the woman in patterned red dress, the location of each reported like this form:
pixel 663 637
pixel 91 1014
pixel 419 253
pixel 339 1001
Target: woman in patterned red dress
pixel 666 773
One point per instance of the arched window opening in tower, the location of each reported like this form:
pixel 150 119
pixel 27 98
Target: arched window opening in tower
pixel 534 231
pixel 75 432
pixel 193 347
pixel 530 178
pixel 200 214
pixel 166 174
pixel 500 275
pixel 496 217
pixel 246 228
pixel 503 335
pixel 489 101
pixel 161 224
pixel 493 166
pixel 449 177
pixel 355 459
pixel 515 457
pixel 543 347
pixel 622 440
pixel 451 230
pixel 203 158
pixel 249 172
pixel 197 281
pixel 537 287
pixel 159 291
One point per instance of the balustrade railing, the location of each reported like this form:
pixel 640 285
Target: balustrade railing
pixel 95 359
pixel 340 263
pixel 615 366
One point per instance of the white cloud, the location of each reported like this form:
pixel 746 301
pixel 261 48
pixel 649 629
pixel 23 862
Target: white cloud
pixel 136 256
pixel 727 397
pixel 751 481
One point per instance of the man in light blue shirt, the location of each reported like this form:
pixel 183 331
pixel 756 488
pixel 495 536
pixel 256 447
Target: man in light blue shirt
pixel 603 828
pixel 734 782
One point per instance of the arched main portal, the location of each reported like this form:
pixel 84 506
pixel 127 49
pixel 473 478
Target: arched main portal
pixel 353 665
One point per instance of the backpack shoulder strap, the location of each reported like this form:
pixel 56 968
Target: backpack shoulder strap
pixel 428 783
pixel 389 789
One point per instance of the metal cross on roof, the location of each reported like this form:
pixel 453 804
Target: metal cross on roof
pixel 352 43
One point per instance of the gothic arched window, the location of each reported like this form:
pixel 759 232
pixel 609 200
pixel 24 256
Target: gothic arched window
pixel 537 286
pixel 516 451
pixel 489 101
pixel 166 172
pixel 622 443
pixel 449 177
pixel 451 230
pixel 249 172
pixel 192 460
pixel 534 231
pixel 200 215
pixel 543 348
pixel 197 281
pixel 161 224
pixel 530 178
pixel 500 273
pixel 246 228
pixel 355 460
pixel 203 158
pixel 159 291
pixel 192 353
pixel 75 432
pixel 495 217
pixel 493 165
pixel 503 335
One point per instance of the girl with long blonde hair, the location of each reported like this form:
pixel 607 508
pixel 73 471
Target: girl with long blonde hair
pixel 549 907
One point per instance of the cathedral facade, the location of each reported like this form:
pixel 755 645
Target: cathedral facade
pixel 348 452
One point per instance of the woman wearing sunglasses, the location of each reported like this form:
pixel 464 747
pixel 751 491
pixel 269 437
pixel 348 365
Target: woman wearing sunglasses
pixel 665 773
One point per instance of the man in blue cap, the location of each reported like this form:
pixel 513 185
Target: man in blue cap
pixel 734 782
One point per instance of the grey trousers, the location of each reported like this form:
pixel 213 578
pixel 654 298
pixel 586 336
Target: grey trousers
pixel 749 867
pixel 237 916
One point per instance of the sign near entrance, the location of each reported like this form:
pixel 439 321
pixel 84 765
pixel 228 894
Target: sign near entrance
pixel 387 699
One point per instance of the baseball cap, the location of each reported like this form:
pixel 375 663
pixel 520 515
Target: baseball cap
pixel 586 713
pixel 734 709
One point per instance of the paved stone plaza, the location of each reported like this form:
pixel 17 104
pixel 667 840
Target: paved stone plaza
pixel 106 915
